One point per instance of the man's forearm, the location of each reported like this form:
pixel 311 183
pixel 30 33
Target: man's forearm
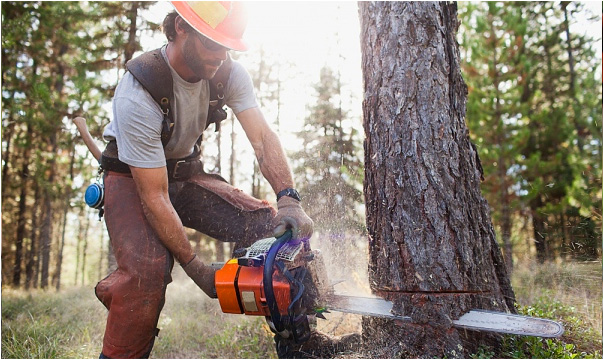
pixel 268 149
pixel 152 187
pixel 163 219
pixel 273 163
pixel 274 167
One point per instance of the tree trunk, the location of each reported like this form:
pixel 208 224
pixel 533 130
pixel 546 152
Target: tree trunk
pixel 78 242
pixel 232 160
pixel 506 234
pixel 256 180
pixel 31 273
pixel 132 44
pixel 506 218
pixel 6 153
pixel 504 201
pixel 85 245
pixel 111 262
pixel 46 239
pixel 432 245
pixel 22 208
pixel 219 250
pixel 101 253
pixel 66 208
pixel 218 165
pixel 46 231
pixel 540 231
pixel 571 87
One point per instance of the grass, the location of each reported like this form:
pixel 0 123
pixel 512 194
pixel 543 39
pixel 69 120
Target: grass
pixel 575 284
pixel 70 323
pixel 193 326
pixel 570 293
pixel 50 325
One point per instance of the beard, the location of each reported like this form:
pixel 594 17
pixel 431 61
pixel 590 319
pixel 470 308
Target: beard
pixel 204 69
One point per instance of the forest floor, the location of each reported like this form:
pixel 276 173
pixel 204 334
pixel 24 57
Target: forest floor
pixel 70 323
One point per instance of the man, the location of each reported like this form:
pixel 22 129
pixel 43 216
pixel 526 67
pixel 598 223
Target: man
pixel 148 200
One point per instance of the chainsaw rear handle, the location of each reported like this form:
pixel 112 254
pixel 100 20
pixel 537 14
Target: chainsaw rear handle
pixel 268 279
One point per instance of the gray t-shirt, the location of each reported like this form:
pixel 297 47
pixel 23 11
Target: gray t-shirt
pixel 137 118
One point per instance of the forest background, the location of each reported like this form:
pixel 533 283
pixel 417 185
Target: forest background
pixel 534 73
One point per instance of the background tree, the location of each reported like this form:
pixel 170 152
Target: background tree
pixel 493 69
pixel 432 247
pixel 328 166
pixel 538 145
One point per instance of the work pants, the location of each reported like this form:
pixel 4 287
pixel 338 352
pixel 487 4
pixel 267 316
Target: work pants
pixel 134 293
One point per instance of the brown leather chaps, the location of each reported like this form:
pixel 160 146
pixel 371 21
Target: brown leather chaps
pixel 134 293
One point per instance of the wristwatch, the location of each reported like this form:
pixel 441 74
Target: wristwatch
pixel 292 193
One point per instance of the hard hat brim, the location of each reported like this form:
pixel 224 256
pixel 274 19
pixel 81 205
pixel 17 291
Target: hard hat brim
pixel 193 19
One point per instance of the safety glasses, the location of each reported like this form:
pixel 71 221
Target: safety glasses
pixel 210 45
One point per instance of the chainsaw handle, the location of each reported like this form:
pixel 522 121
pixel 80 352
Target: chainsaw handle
pixel 267 279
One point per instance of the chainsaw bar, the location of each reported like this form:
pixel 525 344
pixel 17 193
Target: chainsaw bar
pixel 477 320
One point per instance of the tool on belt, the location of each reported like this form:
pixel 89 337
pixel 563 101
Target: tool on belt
pixel 288 284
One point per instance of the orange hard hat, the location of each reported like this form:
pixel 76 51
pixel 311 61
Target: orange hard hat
pixel 221 21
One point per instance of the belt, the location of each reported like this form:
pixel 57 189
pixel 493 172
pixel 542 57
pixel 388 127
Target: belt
pixel 183 169
pixel 178 169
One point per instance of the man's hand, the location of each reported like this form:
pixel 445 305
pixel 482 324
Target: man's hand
pixel 290 215
pixel 202 275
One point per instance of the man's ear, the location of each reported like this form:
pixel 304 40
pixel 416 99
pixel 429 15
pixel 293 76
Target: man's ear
pixel 178 25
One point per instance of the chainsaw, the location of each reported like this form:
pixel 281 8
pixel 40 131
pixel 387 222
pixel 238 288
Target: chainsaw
pixel 287 283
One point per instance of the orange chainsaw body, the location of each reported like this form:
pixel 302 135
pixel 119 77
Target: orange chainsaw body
pixel 240 290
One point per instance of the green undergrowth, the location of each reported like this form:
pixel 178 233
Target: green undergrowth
pixel 570 294
pixel 578 341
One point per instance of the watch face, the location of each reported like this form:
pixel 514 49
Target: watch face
pixel 292 193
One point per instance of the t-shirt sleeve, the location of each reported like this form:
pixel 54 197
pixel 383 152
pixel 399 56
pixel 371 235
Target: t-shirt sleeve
pixel 239 92
pixel 138 130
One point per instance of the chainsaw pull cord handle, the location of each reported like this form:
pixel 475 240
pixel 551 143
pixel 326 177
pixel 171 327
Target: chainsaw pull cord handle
pixel 268 279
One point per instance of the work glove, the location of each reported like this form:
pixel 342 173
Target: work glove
pixel 291 216
pixel 202 275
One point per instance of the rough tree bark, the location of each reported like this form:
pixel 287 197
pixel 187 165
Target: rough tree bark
pixel 132 44
pixel 66 208
pixel 22 214
pixel 432 245
pixel 46 230
pixel 31 273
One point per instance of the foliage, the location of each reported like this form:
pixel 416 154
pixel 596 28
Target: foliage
pixel 538 135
